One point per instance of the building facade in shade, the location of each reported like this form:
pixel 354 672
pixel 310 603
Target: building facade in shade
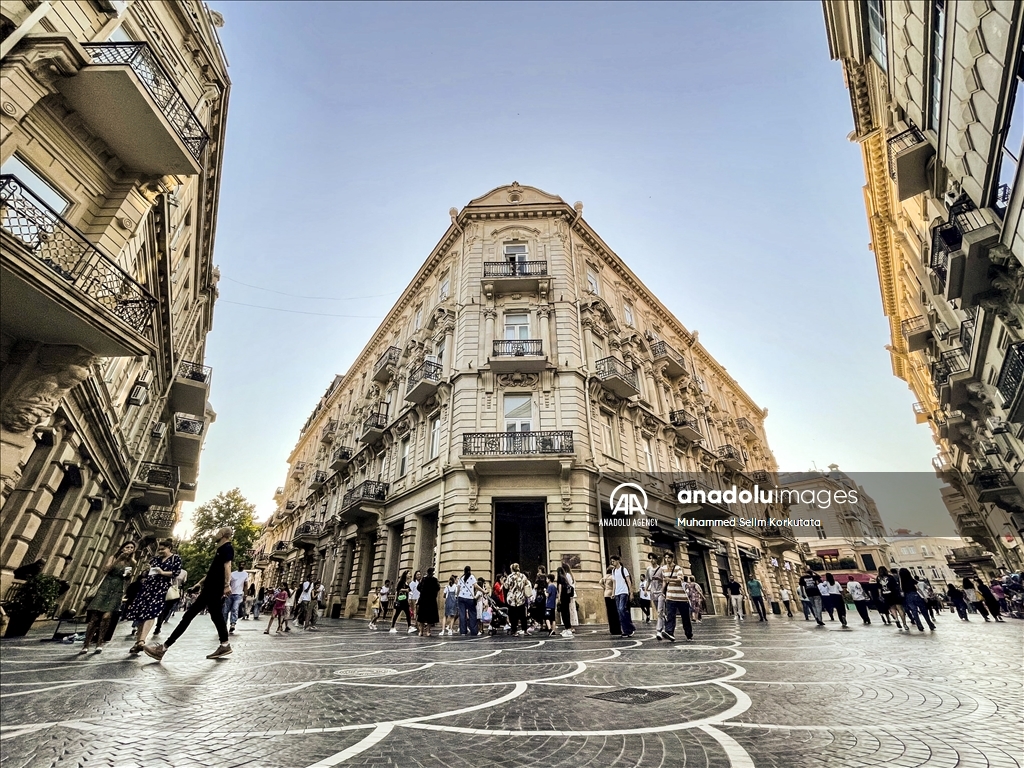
pixel 927 557
pixel 937 92
pixel 851 536
pixel 524 372
pixel 112 122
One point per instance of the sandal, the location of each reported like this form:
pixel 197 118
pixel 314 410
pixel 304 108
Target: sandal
pixel 136 649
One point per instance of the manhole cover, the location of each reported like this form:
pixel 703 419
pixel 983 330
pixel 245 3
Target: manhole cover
pixel 633 696
pixel 364 672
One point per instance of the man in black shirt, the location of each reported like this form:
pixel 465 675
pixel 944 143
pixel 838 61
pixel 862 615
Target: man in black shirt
pixel 809 581
pixel 216 584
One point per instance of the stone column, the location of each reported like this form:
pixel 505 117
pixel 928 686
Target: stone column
pixel 544 313
pixel 489 314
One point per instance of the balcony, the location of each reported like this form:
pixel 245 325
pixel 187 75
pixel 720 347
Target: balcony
pixel 307 535
pixel 280 551
pixel 191 387
pixel 341 457
pixel 385 366
pixel 992 484
pixel 960 252
pixel 746 427
pixel 186 491
pixel 261 559
pixel 920 413
pixel 514 277
pixel 692 497
pixel 292 504
pixel 731 457
pixel 317 480
pixel 1008 383
pixel 156 484
pixel 298 470
pixel 161 521
pixel 778 539
pixel 617 378
pixel 130 101
pixel 502 452
pixel 674 363
pixel 328 432
pixel 373 427
pixel 916 332
pixel 967 336
pixel 58 288
pixel 423 381
pixel 909 153
pixel 279 493
pixel 686 425
pixel 509 355
pixel 760 476
pixel 187 439
pixel 363 501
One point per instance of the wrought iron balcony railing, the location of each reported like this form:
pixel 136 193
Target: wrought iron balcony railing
pixel 946 239
pixel 662 349
pixel 516 443
pixel 914 325
pixel 68 253
pixel 744 424
pixel 1012 372
pixel 901 141
pixel 683 418
pixel 290 504
pixel 308 528
pixel 161 518
pixel 328 432
pixel 940 374
pixel 368 490
pixel 611 366
pixel 319 477
pixel 279 491
pixel 188 425
pixel 194 371
pixel 729 453
pixel 341 454
pixel 164 475
pixel 991 479
pixel 390 357
pixel 149 70
pixel 517 347
pixel 760 476
pixel 957 360
pixel 282 546
pixel 378 420
pixel 515 269
pixel 428 370
pixel 779 532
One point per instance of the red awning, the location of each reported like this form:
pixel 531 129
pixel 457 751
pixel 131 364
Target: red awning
pixel 827 552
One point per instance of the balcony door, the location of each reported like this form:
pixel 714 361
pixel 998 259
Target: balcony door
pixel 515 253
pixel 518 413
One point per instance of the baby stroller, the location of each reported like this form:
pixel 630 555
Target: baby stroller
pixel 499 620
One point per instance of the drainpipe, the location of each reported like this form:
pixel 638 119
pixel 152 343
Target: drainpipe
pixel 24 28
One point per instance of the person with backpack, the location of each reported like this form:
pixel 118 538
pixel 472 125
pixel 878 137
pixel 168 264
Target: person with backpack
pixel 402 604
pixel 566 594
pixel 677 601
pixel 623 590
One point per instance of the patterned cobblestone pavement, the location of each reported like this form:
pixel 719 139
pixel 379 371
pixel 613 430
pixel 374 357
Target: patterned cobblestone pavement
pixel 782 693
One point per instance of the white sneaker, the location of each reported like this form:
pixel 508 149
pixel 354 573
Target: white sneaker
pixel 411 630
pixel 392 631
pixel 567 633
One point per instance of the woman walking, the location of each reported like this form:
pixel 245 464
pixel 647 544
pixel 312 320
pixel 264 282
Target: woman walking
pixel 697 599
pixel 537 604
pixel 913 603
pixel 957 600
pixel 608 585
pixel 835 598
pixel 426 607
pixel 402 603
pixel 451 607
pixel 107 599
pixel 414 595
pixel 989 599
pixel 516 588
pixel 975 599
pixel 644 598
pixel 279 611
pixel 149 603
pixel 566 594
pixel 892 596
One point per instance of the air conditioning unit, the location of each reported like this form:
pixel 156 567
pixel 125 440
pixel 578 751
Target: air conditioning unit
pixel 159 430
pixel 139 395
pixel 145 379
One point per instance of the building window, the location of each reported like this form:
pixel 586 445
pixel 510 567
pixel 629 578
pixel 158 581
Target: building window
pixel 515 252
pixel 592 285
pixel 627 314
pixel 608 428
pixel 517 327
pixel 435 438
pixel 418 320
pixel 876 32
pixel 43 189
pixel 649 454
pixel 443 290
pixel 403 458
pixel 1013 137
pixel 518 413
pixel 938 45
pixel 439 352
pixel 924 550
pixel 821 532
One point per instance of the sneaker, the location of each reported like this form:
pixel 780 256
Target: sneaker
pixel 629 635
pixel 223 650
pixel 371 625
pixel 287 629
pixel 156 633
pixel 670 638
pixel 658 636
pixel 83 651
pixel 266 631
pixel 392 631
pixel 280 632
pixel 411 630
pixel 566 633
pixel 155 651
pixel 232 630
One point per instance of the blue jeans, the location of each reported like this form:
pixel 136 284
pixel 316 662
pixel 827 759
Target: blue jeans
pixel 915 607
pixel 674 607
pixel 467 611
pixel 625 620
pixel 231 603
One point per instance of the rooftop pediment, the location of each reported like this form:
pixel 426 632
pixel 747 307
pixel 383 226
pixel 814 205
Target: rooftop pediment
pixel 515 194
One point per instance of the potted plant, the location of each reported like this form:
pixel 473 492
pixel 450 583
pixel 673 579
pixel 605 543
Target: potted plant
pixel 37 595
pixel 847 563
pixel 815 565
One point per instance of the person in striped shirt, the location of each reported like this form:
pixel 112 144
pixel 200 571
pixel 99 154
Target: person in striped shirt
pixel 677 600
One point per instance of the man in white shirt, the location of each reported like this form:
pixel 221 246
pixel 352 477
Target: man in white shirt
pixel 238 581
pixel 305 596
pixel 622 591
pixel 316 597
pixel 785 596
pixel 467 602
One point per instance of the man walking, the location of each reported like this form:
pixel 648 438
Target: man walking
pixel 216 584
pixel 785 596
pixel 677 601
pixel 316 594
pixel 305 595
pixel 238 581
pixel 757 597
pixel 656 586
pixel 809 581
pixel 736 598
pixel 622 591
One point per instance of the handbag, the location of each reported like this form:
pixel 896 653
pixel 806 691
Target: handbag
pixel 172 593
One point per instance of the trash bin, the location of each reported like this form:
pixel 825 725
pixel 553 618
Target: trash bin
pixel 776 608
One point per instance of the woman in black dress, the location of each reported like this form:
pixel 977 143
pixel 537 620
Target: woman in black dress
pixel 149 602
pixel 100 609
pixel 426 607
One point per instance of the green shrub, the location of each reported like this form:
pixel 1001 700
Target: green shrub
pixel 37 595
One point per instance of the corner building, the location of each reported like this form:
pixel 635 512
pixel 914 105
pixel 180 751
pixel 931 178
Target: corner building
pixel 937 94
pixel 112 118
pixel 524 372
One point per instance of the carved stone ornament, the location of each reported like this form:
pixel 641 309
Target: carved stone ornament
pixel 57 370
pixel 402 427
pixel 518 379
pixel 650 424
pixel 609 399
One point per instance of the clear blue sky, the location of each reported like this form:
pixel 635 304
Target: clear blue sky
pixel 707 142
